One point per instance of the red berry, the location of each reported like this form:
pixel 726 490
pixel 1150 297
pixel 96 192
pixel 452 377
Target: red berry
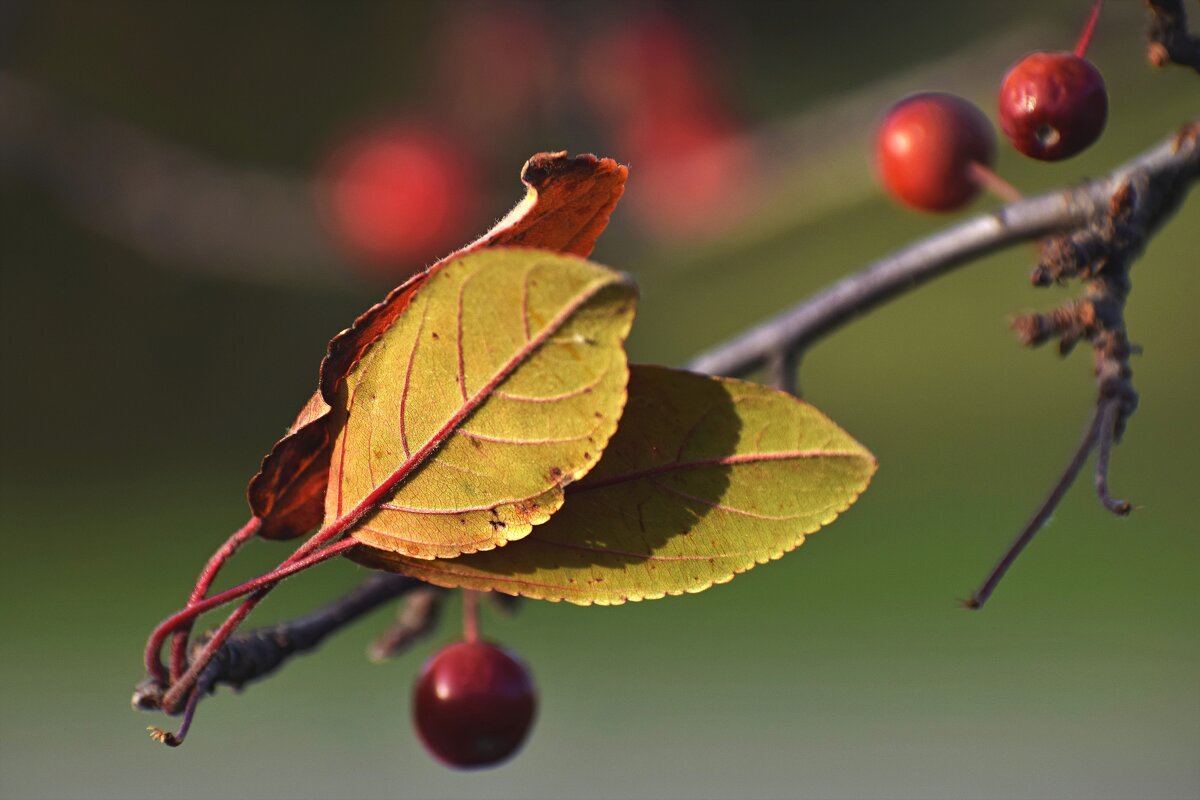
pixel 692 170
pixel 473 704
pixel 925 149
pixel 397 196
pixel 493 68
pixel 650 63
pixel 1053 105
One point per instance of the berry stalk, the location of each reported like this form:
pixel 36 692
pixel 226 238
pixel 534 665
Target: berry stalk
pixel 987 178
pixel 1089 28
pixel 470 615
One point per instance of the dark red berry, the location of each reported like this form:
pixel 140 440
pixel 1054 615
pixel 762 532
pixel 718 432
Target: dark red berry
pixel 1053 105
pixel 925 149
pixel 473 704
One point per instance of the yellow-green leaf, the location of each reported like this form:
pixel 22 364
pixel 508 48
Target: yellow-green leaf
pixel 705 478
pixel 567 204
pixel 501 383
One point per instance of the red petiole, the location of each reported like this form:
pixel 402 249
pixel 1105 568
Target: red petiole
pixel 203 584
pixel 304 557
pixel 180 688
pixel 188 614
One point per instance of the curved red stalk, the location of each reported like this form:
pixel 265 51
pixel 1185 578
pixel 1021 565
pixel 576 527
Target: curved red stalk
pixel 203 584
pixel 302 558
pixel 265 583
pixel 176 739
pixel 470 615
pixel 154 666
pixel 1089 27
pixel 986 178
pixel 185 616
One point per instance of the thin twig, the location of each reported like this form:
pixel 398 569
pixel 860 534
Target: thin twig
pixel 1108 427
pixel 1042 515
pixel 175 738
pixel 1170 42
pixel 416 618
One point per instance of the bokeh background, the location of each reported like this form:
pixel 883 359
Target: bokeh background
pixel 179 190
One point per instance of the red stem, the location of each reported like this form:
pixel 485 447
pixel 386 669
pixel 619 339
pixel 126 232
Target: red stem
pixel 264 585
pixel 986 178
pixel 176 739
pixel 470 615
pixel 1089 27
pixel 185 616
pixel 327 534
pixel 335 529
pixel 203 584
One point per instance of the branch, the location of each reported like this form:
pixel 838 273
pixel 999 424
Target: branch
pixel 1174 162
pixel 1103 254
pixel 1168 36
pixel 1102 226
pixel 1041 516
pixel 416 618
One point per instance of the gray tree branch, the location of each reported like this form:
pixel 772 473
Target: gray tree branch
pixel 1172 164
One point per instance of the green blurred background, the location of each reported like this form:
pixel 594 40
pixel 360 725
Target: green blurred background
pixel 141 391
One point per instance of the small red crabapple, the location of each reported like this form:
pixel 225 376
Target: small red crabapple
pixel 1053 105
pixel 647 63
pixel 473 704
pixel 396 196
pixel 927 147
pixel 691 166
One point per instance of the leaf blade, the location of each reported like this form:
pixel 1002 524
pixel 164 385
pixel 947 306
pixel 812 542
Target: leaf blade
pixel 506 317
pixel 704 479
pixel 567 205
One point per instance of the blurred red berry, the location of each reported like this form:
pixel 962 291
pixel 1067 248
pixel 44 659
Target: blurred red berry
pixel 648 64
pixel 651 80
pixel 473 704
pixel 495 66
pixel 1053 105
pixel 925 148
pixel 691 171
pixel 397 197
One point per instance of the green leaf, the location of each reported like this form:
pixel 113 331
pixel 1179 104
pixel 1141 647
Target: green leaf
pixel 705 478
pixel 502 382
pixel 568 200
